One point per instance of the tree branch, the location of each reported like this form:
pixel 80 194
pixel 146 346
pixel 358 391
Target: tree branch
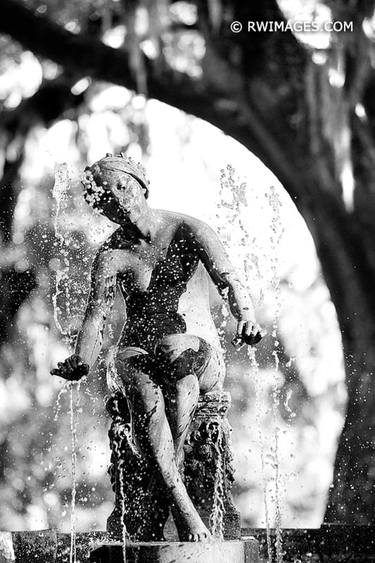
pixel 89 57
pixel 76 52
pixel 47 104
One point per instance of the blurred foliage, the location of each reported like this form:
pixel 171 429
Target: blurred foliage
pixel 76 12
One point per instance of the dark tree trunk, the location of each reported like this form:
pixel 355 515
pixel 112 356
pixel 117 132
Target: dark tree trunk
pixel 350 280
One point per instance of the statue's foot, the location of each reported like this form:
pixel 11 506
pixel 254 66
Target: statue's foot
pixel 199 535
pixel 192 529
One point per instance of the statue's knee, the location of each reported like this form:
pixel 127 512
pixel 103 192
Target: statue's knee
pixel 171 347
pixel 181 353
pixel 128 368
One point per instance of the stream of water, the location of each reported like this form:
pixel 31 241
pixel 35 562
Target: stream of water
pixel 217 515
pixel 233 203
pixel 73 429
pixel 123 508
pixel 60 194
pixel 275 238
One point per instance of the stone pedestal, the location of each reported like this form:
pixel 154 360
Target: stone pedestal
pixel 179 552
pixel 38 546
pixel 141 501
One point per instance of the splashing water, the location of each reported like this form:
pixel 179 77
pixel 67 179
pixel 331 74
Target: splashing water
pixel 217 515
pixel 117 443
pixel 216 519
pixel 255 373
pixel 60 191
pixel 60 394
pixel 122 492
pixel 232 204
pixel 73 429
pixel 233 199
pixel 228 201
pixel 276 234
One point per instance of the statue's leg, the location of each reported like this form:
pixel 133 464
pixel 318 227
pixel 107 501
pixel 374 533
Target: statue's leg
pixel 155 437
pixel 181 398
pixel 189 366
pixel 211 377
pixel 181 410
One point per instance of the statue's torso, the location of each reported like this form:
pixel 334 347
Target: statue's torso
pixel 164 286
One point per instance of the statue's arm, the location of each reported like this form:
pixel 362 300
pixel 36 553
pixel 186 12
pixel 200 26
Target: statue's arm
pixel 90 337
pixel 218 265
pixel 100 301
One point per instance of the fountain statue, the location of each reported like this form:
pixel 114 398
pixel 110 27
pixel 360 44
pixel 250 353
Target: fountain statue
pixel 170 435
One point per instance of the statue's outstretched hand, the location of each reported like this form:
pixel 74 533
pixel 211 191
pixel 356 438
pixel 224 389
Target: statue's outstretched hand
pixel 71 369
pixel 248 332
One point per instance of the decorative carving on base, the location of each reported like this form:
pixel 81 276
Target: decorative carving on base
pixel 208 468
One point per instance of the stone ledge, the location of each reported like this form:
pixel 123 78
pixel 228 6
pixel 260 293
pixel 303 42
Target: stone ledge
pixel 236 551
pixel 328 544
pixel 47 546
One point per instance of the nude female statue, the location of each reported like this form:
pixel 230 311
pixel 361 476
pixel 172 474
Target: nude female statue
pixel 169 351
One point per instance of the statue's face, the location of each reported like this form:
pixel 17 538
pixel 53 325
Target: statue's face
pixel 128 201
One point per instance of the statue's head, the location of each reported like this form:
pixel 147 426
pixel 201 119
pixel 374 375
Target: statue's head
pixel 117 187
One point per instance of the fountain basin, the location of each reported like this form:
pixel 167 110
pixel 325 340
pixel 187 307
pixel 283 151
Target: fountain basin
pixel 235 551
pixel 330 543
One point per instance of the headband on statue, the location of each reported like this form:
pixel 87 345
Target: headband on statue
pixel 95 187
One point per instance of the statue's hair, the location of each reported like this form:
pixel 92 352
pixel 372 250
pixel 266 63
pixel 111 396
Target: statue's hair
pixel 94 176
